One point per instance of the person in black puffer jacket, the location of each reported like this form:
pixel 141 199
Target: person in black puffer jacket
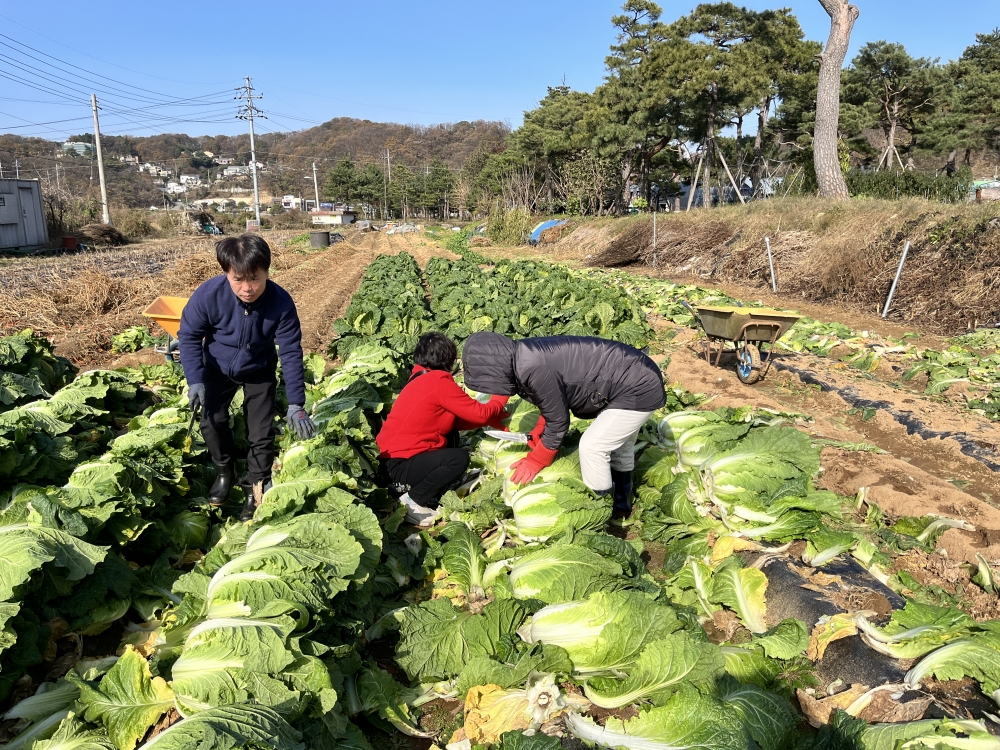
pixel 614 384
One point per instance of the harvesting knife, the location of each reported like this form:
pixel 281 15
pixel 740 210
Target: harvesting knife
pixel 509 437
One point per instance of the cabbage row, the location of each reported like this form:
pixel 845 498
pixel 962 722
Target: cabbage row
pixel 29 370
pixel 388 309
pixel 527 298
pixel 517 299
pixel 260 641
pixel 80 554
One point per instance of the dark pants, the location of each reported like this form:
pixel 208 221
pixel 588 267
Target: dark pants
pixel 258 409
pixel 428 475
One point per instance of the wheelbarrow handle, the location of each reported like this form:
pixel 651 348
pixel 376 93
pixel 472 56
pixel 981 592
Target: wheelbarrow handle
pixel 695 314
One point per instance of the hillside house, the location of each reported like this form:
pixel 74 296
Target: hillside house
pixel 190 179
pixel 335 217
pixel 224 161
pixel 235 171
pixel 291 203
pixel 175 188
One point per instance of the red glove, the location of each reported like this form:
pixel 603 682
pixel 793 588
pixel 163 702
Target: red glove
pixel 535 436
pixel 528 467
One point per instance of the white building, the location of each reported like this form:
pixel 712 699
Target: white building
pixel 333 217
pixel 174 188
pixel 190 179
pixel 235 171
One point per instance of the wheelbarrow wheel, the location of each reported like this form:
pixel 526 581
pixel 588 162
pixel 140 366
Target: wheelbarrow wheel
pixel 748 364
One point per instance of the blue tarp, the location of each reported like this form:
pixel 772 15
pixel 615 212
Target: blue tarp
pixel 536 233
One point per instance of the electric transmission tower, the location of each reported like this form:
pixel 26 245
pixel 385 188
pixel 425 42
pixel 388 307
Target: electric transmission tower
pixel 248 112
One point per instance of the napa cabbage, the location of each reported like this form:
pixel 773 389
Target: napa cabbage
pixel 603 633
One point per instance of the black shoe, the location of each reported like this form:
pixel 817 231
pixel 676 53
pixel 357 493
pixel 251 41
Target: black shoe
pixel 252 502
pixel 219 494
pixel 622 493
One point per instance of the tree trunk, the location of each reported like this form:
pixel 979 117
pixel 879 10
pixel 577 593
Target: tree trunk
pixel 706 194
pixel 758 144
pixel 825 139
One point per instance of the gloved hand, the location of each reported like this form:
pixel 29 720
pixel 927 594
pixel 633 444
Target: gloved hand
pixel 196 396
pixel 497 422
pixel 528 467
pixel 535 436
pixel 299 423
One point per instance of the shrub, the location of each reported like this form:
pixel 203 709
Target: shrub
pixel 508 226
pixel 134 223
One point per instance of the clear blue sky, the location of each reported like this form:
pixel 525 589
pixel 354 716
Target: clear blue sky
pixel 426 62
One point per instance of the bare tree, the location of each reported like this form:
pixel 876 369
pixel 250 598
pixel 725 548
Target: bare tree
pixel 825 140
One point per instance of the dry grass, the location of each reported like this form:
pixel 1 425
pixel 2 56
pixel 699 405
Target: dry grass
pixel 106 291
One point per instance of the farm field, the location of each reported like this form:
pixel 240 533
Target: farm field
pixel 812 560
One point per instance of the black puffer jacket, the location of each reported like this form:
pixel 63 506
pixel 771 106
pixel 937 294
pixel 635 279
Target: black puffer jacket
pixel 563 374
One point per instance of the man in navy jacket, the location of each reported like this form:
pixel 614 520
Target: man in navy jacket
pixel 229 329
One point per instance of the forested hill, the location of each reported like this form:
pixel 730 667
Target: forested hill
pixel 365 141
pixel 362 140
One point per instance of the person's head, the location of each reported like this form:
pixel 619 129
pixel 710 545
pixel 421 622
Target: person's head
pixel 488 363
pixel 435 351
pixel 246 261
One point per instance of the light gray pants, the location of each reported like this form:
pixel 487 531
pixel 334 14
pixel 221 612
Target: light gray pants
pixel 609 443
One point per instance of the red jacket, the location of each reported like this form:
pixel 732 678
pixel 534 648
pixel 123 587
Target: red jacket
pixel 428 408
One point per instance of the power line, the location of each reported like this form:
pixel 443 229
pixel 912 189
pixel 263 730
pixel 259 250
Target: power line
pixel 106 62
pixel 91 73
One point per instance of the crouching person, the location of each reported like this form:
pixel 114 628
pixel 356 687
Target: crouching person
pixel 229 329
pixel 419 440
pixel 616 385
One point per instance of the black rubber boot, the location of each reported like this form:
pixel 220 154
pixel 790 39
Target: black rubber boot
pixel 622 491
pixel 251 504
pixel 223 483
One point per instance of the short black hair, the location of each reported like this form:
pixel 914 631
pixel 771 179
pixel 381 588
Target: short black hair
pixel 435 351
pixel 244 254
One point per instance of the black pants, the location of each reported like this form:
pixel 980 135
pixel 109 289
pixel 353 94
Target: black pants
pixel 429 474
pixel 258 409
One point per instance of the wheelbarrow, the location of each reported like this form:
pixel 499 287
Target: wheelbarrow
pixel 166 311
pixel 749 332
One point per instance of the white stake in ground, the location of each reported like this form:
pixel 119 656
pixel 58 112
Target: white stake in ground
pixel 770 262
pixel 895 281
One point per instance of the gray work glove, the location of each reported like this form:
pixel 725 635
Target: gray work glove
pixel 299 423
pixel 196 396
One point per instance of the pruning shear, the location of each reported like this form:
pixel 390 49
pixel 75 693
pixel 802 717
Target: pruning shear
pixel 507 437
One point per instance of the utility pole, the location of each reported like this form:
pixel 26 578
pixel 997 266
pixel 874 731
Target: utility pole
pixel 105 213
pixel 316 186
pixel 58 189
pixel 17 170
pixel 385 184
pixel 248 112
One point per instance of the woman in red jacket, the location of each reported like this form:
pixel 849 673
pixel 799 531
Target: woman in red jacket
pixel 419 440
